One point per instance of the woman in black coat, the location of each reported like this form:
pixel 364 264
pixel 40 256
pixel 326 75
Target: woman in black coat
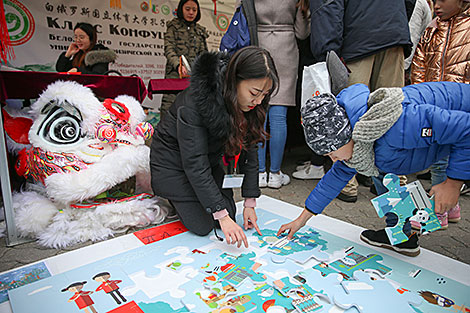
pixel 84 55
pixel 221 114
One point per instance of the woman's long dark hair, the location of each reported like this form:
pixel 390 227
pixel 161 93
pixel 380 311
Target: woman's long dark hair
pixel 247 128
pixel 91 32
pixel 179 10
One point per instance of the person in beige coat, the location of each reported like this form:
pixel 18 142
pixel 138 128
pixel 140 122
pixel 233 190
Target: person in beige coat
pixel 279 23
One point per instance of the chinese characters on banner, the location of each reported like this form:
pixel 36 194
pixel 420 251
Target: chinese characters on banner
pixel 42 29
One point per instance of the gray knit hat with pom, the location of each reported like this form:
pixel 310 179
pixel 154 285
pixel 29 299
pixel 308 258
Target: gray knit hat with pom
pixel 326 124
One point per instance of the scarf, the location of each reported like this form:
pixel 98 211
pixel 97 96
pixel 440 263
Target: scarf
pixel 384 109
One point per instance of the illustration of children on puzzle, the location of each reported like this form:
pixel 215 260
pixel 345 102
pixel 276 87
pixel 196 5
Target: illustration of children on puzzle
pixel 82 298
pixel 109 286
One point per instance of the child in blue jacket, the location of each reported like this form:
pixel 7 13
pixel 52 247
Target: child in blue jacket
pixel 392 130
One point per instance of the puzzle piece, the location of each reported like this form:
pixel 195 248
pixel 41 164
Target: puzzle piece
pixel 276 271
pixel 201 297
pixel 353 262
pixel 263 299
pixel 407 202
pixel 301 294
pixel 375 295
pixel 207 261
pixel 237 269
pixel 301 248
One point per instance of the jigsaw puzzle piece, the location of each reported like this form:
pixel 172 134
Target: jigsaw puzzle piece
pixel 405 202
pixel 375 295
pixel 207 261
pixel 327 285
pixel 153 287
pixel 275 270
pixel 238 269
pixel 301 248
pixel 355 261
pixel 203 298
pixel 263 298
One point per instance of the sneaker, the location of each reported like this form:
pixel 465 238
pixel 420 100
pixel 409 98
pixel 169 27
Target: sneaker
pixel 454 214
pixel 276 181
pixel 309 172
pixel 303 165
pixel 379 238
pixel 443 219
pixel 346 198
pixel 263 180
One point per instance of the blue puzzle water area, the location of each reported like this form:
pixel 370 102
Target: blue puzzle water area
pixel 215 270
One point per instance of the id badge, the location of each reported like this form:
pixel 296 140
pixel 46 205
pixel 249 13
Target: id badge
pixel 233 181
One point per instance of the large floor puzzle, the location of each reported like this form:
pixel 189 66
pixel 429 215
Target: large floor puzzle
pixel 315 272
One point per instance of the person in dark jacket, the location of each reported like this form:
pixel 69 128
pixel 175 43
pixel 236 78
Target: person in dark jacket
pixel 220 115
pixel 372 37
pixel 184 36
pixel 84 55
pixel 392 130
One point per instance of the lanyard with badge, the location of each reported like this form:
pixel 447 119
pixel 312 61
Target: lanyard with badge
pixel 232 180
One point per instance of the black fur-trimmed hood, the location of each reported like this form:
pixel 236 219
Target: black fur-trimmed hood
pixel 100 55
pixel 206 88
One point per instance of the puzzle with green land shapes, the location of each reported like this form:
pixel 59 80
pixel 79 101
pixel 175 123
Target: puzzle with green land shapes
pixel 315 272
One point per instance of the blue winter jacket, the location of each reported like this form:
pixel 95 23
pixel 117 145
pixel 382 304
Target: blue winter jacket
pixel 435 123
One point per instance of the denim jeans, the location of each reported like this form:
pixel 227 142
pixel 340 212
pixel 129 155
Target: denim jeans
pixel 390 218
pixel 277 117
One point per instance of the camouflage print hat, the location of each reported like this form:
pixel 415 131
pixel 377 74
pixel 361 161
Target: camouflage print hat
pixel 326 124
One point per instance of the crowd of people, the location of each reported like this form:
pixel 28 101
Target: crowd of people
pixel 404 108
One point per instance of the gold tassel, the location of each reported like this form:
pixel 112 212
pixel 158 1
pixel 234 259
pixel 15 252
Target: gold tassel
pixel 115 4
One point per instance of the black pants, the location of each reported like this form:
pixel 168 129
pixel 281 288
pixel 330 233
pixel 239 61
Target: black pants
pixel 196 218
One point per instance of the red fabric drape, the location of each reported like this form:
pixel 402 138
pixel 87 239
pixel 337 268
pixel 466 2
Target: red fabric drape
pixel 6 50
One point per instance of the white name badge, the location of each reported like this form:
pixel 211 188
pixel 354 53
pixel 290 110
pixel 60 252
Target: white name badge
pixel 233 181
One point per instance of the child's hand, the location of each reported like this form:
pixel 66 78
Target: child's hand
pixel 296 224
pixel 446 195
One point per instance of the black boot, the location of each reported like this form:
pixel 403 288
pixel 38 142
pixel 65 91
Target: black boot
pixel 365 181
pixel 379 238
pixel 346 198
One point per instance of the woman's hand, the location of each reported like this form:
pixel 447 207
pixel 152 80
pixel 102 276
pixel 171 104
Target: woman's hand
pixel 233 233
pixel 72 70
pixel 249 219
pixel 296 224
pixel 446 195
pixel 72 50
pixel 182 71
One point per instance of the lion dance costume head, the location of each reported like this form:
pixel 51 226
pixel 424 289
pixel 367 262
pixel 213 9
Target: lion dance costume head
pixel 79 154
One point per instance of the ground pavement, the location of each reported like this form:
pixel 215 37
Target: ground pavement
pixel 453 242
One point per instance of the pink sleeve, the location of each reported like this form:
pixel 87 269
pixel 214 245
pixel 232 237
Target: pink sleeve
pixel 219 214
pixel 250 203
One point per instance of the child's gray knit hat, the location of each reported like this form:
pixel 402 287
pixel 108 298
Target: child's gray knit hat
pixel 326 124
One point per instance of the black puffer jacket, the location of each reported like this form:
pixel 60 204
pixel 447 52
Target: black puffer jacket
pixel 187 148
pixel 358 28
pixel 96 61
